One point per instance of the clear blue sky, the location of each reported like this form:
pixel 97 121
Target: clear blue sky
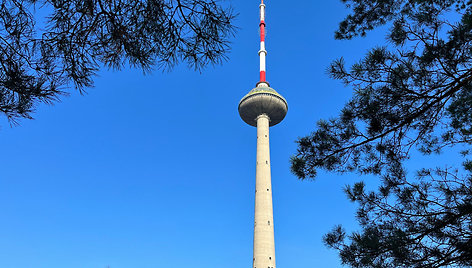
pixel 158 170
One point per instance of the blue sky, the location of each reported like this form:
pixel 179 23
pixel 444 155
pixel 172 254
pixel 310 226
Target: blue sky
pixel 158 170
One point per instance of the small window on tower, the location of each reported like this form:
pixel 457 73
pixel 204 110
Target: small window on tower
pixel 268 222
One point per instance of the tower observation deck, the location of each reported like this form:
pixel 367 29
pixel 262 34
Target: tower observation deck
pixel 263 107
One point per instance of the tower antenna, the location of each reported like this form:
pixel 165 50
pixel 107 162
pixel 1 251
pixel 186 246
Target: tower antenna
pixel 262 51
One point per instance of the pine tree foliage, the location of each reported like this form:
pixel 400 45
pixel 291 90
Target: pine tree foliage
pixel 80 36
pixel 414 93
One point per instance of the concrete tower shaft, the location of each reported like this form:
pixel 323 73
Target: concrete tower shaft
pixel 264 242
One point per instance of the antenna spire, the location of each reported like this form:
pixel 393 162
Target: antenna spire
pixel 262 51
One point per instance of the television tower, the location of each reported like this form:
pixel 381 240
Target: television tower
pixel 263 107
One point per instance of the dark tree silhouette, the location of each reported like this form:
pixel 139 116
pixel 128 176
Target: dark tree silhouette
pixel 81 36
pixel 415 93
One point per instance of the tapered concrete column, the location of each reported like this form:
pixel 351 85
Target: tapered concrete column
pixel 264 246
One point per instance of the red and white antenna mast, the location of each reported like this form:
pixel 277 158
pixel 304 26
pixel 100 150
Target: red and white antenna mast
pixel 262 51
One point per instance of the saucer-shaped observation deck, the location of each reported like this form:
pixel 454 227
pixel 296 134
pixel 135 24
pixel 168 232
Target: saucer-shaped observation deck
pixel 263 100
